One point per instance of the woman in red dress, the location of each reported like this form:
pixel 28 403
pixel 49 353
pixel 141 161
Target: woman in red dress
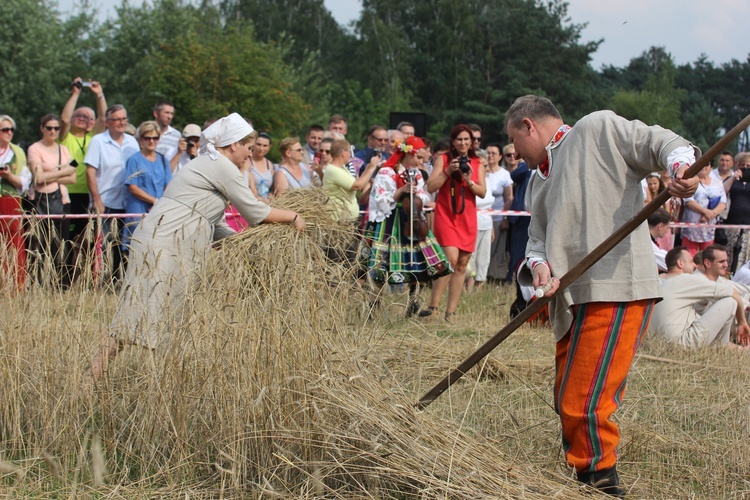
pixel 458 177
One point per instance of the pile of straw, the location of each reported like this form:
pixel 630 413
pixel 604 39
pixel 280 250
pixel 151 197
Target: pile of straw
pixel 272 385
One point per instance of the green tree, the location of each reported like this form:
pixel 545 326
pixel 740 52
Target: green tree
pixel 700 120
pixel 39 60
pixel 204 79
pixel 186 53
pixel 467 60
pixel 635 75
pixel 134 35
pixel 658 103
pixel 307 22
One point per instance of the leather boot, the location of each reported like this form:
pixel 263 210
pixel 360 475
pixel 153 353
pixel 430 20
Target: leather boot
pixel 605 480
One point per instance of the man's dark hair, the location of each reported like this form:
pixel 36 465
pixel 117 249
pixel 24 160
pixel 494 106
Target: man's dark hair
pixel 672 257
pixel 373 129
pixel 113 109
pixel 443 144
pixel 404 124
pixel 530 106
pixel 727 153
pixel 315 128
pixel 474 127
pixel 336 119
pixel 661 216
pixel 709 253
pixel 161 104
pixel 698 259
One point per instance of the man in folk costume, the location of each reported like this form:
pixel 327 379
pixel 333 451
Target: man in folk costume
pixel 587 185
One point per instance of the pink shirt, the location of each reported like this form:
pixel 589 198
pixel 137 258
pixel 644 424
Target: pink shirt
pixel 49 160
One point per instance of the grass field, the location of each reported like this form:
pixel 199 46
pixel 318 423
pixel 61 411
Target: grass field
pixel 275 385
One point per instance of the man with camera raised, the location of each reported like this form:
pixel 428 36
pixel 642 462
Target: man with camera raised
pixel 187 148
pixel 78 127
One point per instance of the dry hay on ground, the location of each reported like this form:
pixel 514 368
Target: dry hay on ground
pixel 272 385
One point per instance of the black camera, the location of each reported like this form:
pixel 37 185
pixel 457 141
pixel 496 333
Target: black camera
pixel 80 84
pixel 190 144
pixel 376 152
pixel 4 166
pixel 463 164
pixel 745 174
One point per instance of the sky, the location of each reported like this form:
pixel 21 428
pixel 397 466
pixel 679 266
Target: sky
pixel 686 28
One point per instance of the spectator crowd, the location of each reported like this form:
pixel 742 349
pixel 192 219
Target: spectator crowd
pixel 426 212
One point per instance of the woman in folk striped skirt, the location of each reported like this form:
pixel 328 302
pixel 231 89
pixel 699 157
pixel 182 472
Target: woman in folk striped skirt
pixel 395 257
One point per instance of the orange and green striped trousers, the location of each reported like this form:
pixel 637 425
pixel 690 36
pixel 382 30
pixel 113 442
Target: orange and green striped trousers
pixel 592 363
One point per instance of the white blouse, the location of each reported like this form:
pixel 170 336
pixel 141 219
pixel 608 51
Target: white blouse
pixel 384 188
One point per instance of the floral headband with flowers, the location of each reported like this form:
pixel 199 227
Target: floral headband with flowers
pixel 403 147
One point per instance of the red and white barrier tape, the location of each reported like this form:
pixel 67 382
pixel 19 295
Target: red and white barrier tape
pixel 230 216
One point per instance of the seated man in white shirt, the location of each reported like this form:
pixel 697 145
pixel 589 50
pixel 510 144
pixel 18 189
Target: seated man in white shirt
pixel 658 226
pixel 716 266
pixel 697 311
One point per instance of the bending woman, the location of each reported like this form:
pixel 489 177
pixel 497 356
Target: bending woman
pixel 395 257
pixel 458 177
pixel 172 242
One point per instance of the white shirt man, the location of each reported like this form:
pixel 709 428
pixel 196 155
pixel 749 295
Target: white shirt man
pixel 697 311
pixel 724 170
pixel 312 143
pixel 170 137
pixel 105 162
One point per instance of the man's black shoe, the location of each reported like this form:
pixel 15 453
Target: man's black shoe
pixel 605 480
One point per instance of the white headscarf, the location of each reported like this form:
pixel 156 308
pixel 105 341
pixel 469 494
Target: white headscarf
pixel 223 132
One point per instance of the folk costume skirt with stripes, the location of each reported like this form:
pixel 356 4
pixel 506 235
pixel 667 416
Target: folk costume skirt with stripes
pixel 592 363
pixel 394 259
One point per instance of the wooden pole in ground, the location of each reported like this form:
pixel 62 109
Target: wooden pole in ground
pixel 584 265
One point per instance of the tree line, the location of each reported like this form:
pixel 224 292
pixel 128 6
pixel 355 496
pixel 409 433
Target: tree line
pixel 287 63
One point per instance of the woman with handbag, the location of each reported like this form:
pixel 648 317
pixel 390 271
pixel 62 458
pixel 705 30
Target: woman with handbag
pixel 52 167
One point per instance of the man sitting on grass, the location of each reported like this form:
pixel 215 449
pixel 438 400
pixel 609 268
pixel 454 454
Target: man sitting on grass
pixel 697 311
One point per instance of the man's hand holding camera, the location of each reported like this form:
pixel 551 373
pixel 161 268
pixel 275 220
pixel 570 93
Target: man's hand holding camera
pixel 188 146
pixel 78 84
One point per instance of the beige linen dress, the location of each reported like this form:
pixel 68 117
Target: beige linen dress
pixel 171 243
